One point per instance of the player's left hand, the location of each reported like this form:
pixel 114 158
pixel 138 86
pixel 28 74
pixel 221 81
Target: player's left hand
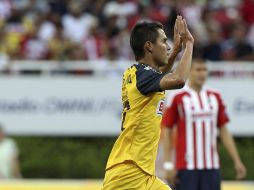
pixel 240 170
pixel 177 40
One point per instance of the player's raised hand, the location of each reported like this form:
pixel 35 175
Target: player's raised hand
pixel 185 33
pixel 177 40
pixel 178 24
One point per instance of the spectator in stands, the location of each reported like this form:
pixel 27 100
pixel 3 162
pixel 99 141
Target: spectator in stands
pixel 33 47
pixel 4 57
pixel 35 8
pixel 94 43
pixel 192 11
pixel 76 53
pixel 96 9
pixel 151 11
pixel 212 49
pixel 9 163
pixel 123 44
pixel 58 46
pixel 47 28
pixel 247 10
pixel 237 47
pixel 112 52
pixel 5 9
pixel 113 21
pixel 250 35
pixel 122 9
pixel 58 6
pixel 143 14
pixel 77 24
pixel 14 29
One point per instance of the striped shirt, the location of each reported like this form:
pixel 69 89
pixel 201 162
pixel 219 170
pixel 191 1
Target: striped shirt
pixel 197 117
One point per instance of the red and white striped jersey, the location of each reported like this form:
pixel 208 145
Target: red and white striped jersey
pixel 197 117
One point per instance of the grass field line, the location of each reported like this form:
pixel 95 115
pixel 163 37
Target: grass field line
pixel 91 185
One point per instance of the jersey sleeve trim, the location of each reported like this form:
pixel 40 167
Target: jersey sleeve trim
pixel 148 79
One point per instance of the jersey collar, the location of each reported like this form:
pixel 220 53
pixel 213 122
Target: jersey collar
pixel 148 67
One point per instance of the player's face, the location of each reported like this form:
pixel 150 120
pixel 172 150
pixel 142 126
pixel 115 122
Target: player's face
pixel 161 49
pixel 198 74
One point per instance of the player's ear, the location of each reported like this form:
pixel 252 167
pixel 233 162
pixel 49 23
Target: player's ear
pixel 149 46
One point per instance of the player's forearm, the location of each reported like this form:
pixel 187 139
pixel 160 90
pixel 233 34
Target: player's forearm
pixel 229 144
pixel 178 78
pixel 183 68
pixel 167 68
pixel 167 145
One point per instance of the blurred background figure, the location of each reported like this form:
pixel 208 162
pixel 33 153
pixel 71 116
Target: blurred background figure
pixel 199 115
pixel 212 50
pixel 9 163
pixel 223 27
pixel 237 47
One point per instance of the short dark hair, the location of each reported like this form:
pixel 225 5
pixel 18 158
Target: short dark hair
pixel 198 60
pixel 140 34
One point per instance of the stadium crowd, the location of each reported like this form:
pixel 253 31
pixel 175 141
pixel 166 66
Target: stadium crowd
pixel 100 29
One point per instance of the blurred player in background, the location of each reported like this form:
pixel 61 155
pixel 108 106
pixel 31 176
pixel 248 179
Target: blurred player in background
pixel 9 163
pixel 198 113
pixel 131 164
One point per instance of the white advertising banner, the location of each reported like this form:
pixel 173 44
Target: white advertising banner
pixel 60 106
pixel 238 96
pixel 91 106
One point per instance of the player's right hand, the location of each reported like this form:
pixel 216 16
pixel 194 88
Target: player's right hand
pixel 183 30
pixel 170 176
pixel 240 170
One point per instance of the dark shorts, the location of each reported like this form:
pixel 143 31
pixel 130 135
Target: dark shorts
pixel 198 180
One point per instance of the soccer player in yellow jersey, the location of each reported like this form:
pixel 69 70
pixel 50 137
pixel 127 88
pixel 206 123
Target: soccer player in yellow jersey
pixel 131 164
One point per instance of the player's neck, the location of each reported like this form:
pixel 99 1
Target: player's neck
pixel 195 87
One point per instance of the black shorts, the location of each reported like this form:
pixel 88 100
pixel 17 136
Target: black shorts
pixel 198 180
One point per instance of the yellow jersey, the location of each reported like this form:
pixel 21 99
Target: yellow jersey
pixel 142 100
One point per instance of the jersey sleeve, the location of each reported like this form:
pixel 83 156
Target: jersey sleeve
pixel 170 113
pixel 222 114
pixel 148 80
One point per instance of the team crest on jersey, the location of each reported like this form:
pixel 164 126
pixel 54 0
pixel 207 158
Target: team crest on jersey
pixel 159 109
pixel 148 68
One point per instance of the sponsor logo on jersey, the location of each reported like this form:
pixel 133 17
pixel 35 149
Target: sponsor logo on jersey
pixel 159 109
